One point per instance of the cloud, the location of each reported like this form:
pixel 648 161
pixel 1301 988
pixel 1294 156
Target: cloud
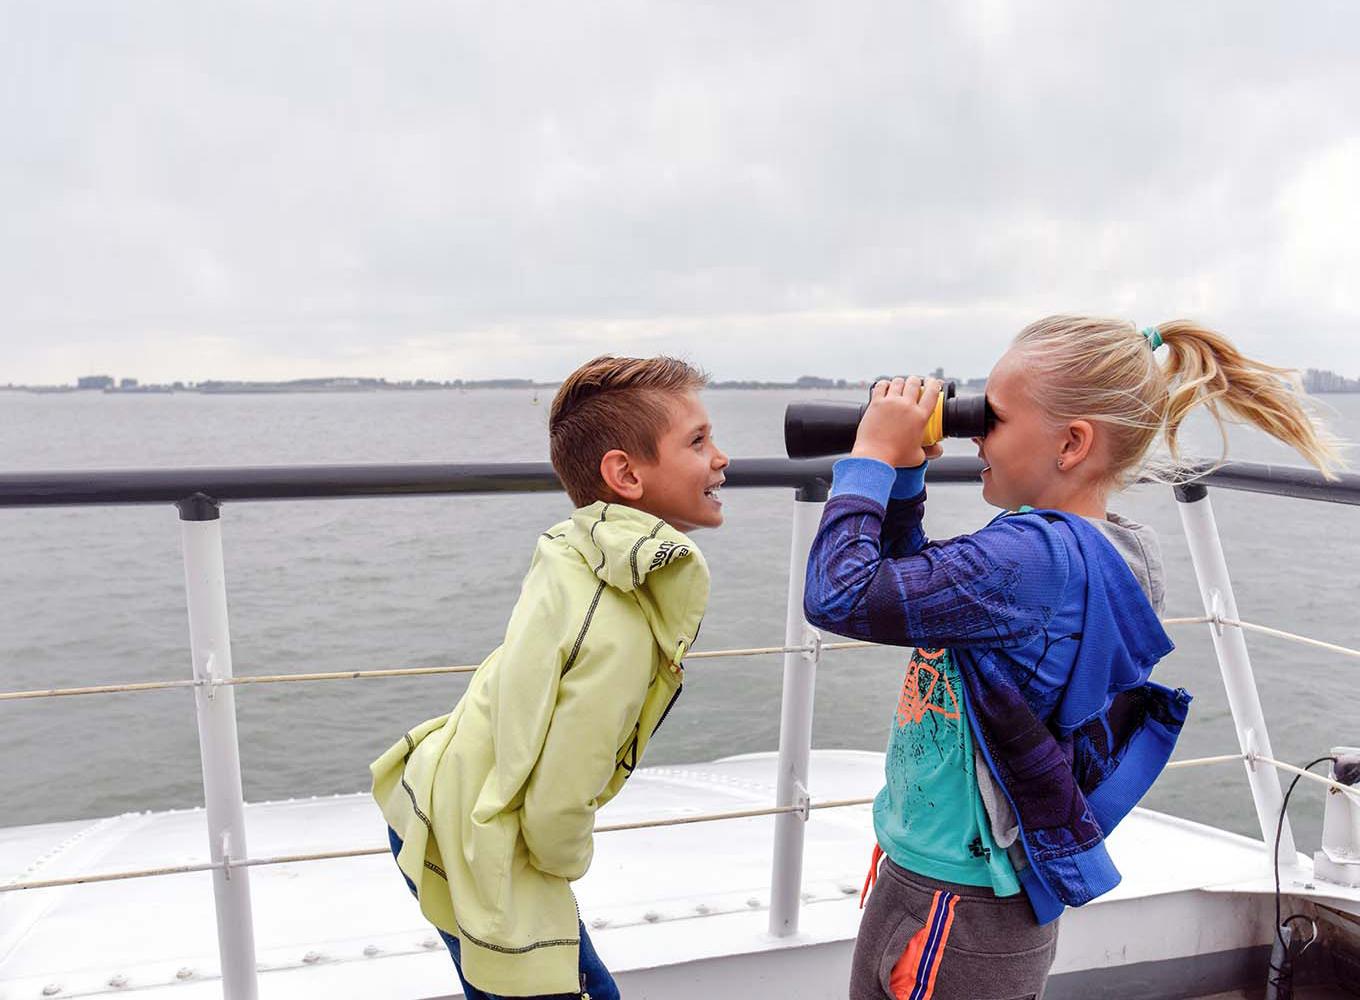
pixel 1320 250
pixel 471 189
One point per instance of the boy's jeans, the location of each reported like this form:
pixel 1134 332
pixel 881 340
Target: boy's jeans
pixel 596 982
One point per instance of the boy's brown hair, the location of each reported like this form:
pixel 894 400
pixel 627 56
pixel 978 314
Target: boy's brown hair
pixel 610 403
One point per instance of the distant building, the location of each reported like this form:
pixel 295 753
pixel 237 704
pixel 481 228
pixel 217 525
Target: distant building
pixel 127 383
pixel 1321 380
pixel 494 383
pixel 94 382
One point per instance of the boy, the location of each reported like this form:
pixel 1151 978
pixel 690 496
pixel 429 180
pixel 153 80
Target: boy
pixel 491 808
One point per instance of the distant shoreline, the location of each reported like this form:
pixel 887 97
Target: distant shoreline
pixel 267 388
pixel 315 387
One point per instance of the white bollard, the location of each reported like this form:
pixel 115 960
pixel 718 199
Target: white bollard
pixel 795 723
pixel 205 585
pixel 1230 646
pixel 1339 859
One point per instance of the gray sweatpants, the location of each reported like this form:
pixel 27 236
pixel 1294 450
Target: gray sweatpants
pixel 921 939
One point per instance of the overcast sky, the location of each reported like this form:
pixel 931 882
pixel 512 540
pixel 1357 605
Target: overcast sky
pixel 192 190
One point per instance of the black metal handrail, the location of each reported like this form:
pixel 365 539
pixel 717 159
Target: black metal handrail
pixel 314 482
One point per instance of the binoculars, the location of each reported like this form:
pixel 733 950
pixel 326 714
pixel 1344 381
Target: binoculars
pixel 815 429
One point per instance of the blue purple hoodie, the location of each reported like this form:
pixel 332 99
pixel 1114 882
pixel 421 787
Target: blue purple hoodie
pixel 1055 639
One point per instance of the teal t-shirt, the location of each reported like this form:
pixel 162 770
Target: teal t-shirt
pixel 929 817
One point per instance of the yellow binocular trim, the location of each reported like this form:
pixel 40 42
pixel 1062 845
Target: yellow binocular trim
pixel 934 431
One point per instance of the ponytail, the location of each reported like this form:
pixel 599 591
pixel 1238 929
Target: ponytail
pixel 1105 371
pixel 1204 368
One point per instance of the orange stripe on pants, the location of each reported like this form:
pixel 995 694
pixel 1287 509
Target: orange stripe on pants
pixel 913 977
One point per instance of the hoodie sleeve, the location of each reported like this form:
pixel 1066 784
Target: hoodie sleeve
pixel 902 492
pixel 997 587
pixel 599 698
pixel 525 681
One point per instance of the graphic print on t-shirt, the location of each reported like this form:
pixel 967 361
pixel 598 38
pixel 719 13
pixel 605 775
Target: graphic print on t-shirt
pixel 927 688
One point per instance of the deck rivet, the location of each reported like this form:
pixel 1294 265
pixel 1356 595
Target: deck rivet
pixel 51 990
pixel 703 909
pixel 370 950
pixel 118 982
pixel 753 903
pixel 311 958
pixel 185 973
pixel 848 889
pixel 429 944
pixel 599 924
pixel 651 916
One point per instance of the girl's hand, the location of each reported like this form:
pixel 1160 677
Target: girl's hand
pixel 895 422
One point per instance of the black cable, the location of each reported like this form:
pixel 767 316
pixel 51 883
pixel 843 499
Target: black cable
pixel 1284 973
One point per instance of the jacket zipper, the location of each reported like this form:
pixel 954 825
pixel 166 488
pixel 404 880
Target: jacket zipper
pixel 669 705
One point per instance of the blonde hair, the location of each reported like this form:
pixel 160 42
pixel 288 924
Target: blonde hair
pixel 1106 371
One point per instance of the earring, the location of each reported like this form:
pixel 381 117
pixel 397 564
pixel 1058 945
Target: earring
pixel 1060 465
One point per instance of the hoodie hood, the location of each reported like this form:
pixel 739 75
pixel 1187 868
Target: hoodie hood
pixel 1121 633
pixel 640 554
pixel 1138 546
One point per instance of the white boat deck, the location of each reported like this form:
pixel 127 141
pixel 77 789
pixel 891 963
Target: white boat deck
pixel 668 908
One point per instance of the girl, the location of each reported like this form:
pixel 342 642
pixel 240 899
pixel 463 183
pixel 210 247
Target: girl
pixel 1027 726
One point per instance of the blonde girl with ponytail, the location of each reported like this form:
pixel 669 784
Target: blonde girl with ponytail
pixel 1027 725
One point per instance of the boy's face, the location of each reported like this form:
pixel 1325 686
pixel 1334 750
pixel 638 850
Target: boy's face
pixel 681 485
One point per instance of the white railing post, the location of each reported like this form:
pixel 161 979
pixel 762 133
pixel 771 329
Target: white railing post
pixel 795 722
pixel 205 585
pixel 1230 646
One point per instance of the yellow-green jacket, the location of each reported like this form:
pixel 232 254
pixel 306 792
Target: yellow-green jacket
pixel 495 802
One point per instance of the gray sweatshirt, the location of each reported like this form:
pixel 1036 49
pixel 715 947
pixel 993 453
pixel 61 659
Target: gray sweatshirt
pixel 1138 545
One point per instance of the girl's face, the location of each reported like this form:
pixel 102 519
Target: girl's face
pixel 1021 450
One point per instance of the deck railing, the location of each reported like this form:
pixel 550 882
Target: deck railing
pixel 199 494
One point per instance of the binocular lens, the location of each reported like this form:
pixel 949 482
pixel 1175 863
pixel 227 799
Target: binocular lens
pixel 967 416
pixel 818 428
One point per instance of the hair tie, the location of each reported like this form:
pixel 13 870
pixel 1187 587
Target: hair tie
pixel 1153 335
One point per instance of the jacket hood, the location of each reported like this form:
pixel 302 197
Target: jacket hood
pixel 1137 545
pixel 640 554
pixel 1121 634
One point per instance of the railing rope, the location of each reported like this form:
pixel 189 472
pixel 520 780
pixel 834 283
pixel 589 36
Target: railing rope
pixel 1202 761
pixel 811 806
pixel 467 668
pixel 360 675
pixel 1292 636
pixel 363 852
pixel 1317 779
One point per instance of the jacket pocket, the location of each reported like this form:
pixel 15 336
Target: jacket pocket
pixel 894 951
pixel 915 948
